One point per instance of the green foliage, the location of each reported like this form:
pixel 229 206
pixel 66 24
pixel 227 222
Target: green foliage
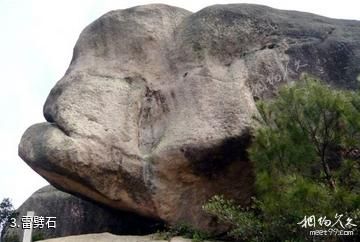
pixel 38 235
pixel 184 230
pixel 11 238
pixel 244 220
pixel 6 212
pixel 306 157
pixel 310 128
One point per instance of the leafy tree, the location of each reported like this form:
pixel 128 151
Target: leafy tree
pixel 310 128
pixel 6 212
pixel 306 156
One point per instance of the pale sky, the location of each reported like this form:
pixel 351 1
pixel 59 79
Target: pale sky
pixel 37 38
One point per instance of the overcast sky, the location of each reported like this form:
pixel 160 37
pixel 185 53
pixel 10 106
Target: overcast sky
pixel 37 38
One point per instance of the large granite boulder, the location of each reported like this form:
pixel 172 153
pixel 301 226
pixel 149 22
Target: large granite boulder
pixel 154 111
pixel 75 216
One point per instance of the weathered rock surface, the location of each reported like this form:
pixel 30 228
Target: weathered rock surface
pixel 153 114
pixel 76 216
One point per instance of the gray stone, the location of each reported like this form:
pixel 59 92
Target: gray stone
pixel 154 111
pixel 76 216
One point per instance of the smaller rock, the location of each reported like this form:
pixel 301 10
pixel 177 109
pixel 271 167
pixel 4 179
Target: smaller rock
pixel 76 216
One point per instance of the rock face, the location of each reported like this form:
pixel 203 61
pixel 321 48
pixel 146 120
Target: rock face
pixel 76 216
pixel 153 113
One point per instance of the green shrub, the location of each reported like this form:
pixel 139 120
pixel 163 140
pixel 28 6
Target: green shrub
pixel 306 158
pixel 184 230
pixel 246 224
pixel 38 235
pixel 11 238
